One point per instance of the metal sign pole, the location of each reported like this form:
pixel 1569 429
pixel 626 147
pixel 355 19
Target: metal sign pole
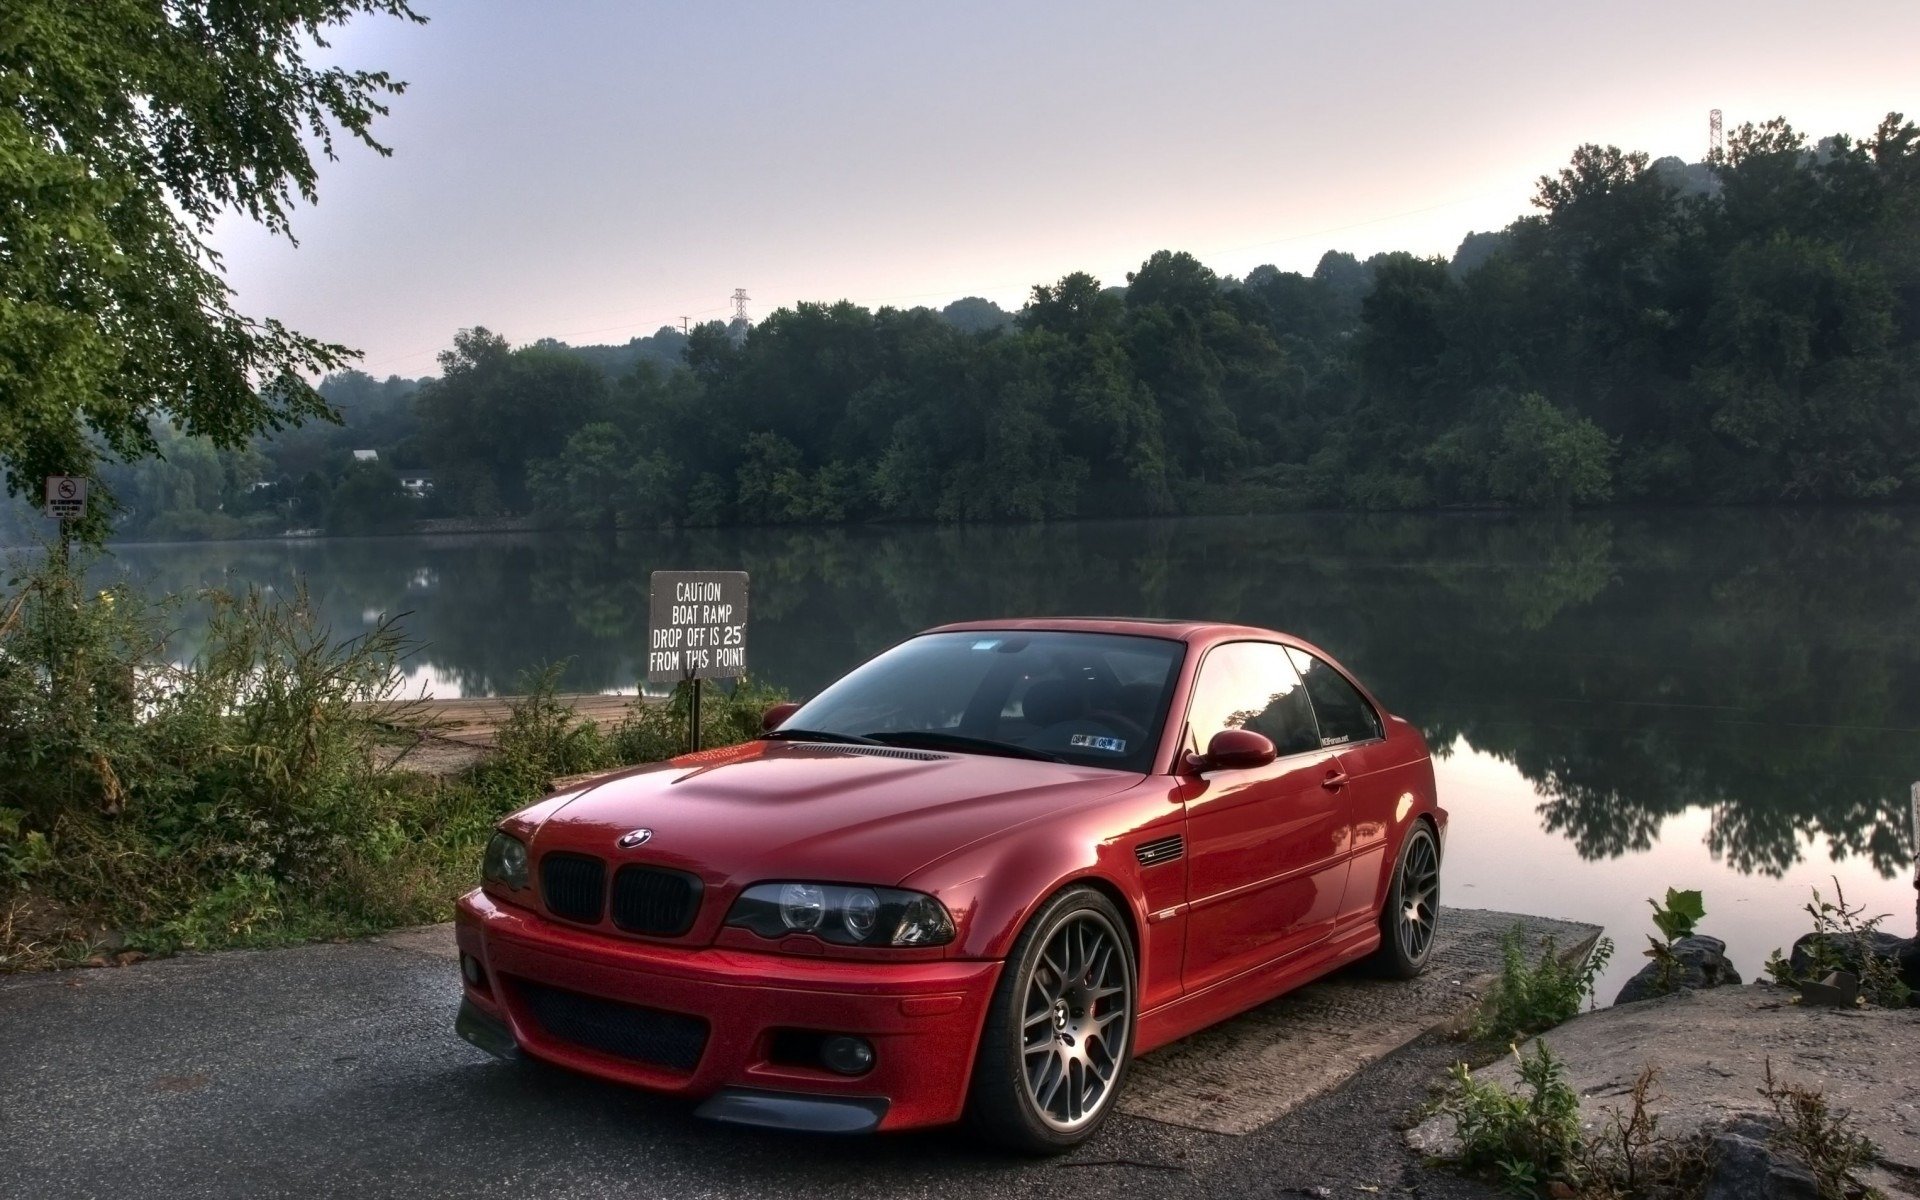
pixel 1915 797
pixel 693 719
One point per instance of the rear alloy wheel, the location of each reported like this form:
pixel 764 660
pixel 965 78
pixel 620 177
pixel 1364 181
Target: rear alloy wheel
pixel 1412 911
pixel 1059 1036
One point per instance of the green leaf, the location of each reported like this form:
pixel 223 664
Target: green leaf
pixel 1688 904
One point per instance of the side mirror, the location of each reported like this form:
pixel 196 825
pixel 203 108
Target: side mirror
pixel 777 716
pixel 1234 750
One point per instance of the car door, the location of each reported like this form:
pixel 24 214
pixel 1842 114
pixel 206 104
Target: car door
pixel 1267 846
pixel 1353 732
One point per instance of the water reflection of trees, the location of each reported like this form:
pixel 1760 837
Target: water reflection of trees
pixel 1764 667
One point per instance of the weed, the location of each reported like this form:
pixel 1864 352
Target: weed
pixel 236 799
pixel 1521 1140
pixel 1631 1158
pixel 1813 1131
pixel 1676 919
pixel 1843 940
pixel 1527 999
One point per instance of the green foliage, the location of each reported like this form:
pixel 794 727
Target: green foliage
pixel 126 128
pixel 1741 331
pixel 1528 998
pixel 728 716
pixel 1814 1132
pixel 1680 915
pixel 1675 919
pixel 239 798
pixel 368 499
pixel 1844 940
pixel 1521 1140
pixel 543 737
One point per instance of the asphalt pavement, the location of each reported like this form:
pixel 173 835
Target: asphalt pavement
pixel 333 1070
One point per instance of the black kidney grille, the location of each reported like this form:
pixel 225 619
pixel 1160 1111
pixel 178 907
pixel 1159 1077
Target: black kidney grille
pixel 574 886
pixel 647 1035
pixel 655 901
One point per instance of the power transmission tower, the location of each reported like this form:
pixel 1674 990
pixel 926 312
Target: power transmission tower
pixel 683 326
pixel 740 299
pixel 1716 145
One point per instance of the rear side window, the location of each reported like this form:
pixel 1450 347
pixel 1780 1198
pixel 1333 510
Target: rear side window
pixel 1345 716
pixel 1252 685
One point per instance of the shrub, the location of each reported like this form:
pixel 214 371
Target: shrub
pixel 1811 1130
pixel 651 732
pixel 1844 940
pixel 1527 999
pixel 1676 919
pixel 237 799
pixel 1522 1140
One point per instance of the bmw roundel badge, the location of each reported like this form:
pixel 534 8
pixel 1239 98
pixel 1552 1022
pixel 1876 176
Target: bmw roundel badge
pixel 634 837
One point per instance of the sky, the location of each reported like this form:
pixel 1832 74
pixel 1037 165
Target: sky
pixel 593 170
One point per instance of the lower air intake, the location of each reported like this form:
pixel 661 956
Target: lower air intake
pixel 643 1035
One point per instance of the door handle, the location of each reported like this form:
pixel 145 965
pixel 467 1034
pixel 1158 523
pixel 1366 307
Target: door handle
pixel 1335 780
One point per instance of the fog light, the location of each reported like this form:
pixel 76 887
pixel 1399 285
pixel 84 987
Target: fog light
pixel 847 1055
pixel 470 967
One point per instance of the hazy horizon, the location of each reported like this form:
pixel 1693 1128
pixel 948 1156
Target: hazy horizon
pixel 598 170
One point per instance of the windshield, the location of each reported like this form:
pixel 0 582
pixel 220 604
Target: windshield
pixel 1093 699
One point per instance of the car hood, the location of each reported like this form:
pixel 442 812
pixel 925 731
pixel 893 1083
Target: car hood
pixel 791 810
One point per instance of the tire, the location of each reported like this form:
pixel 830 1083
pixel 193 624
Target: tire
pixel 1058 1039
pixel 1411 914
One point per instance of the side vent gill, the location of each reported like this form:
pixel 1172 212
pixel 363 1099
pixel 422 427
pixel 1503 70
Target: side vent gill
pixel 1160 850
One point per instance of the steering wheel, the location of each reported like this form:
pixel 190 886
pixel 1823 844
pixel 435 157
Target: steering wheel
pixel 1125 724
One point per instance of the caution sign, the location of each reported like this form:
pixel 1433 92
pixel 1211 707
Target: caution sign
pixel 66 497
pixel 697 625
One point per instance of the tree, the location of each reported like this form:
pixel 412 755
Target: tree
pixel 368 499
pixel 127 127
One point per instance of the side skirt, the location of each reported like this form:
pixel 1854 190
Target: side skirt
pixel 1197 1010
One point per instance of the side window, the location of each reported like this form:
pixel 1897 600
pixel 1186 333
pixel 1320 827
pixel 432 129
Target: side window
pixel 1252 685
pixel 1345 716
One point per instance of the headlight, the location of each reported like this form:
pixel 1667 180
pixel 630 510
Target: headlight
pixel 506 861
pixel 845 916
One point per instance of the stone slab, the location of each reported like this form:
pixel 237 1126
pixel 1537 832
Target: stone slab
pixel 1712 1049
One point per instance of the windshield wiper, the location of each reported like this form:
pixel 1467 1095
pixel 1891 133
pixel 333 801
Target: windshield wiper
pixel 959 741
pixel 818 735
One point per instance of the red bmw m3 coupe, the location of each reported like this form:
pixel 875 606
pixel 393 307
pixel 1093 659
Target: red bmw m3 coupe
pixel 971 879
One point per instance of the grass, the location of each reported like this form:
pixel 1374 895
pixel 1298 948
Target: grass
pixel 148 807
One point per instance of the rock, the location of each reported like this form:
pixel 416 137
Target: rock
pixel 1703 964
pixel 1840 989
pixel 1745 1167
pixel 1904 951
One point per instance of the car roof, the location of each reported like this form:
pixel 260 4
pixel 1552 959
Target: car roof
pixel 1165 628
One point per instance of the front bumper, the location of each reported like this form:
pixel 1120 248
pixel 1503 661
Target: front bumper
pixel 923 1019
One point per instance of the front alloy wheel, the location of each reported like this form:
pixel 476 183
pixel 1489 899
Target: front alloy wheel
pixel 1060 1033
pixel 1412 911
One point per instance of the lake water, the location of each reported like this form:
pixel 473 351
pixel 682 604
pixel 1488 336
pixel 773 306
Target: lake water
pixel 1721 700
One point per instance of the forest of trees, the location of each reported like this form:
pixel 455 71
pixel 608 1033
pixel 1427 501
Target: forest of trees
pixel 1741 331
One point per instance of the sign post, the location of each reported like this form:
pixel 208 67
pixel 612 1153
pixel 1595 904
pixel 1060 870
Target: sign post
pixel 696 630
pixel 66 501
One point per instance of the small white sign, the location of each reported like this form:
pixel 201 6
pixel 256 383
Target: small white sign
pixel 66 497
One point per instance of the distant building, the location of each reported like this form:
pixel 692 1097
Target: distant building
pixel 417 483
pixel 366 456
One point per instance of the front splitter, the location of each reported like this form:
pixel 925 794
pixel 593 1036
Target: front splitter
pixel 790 1110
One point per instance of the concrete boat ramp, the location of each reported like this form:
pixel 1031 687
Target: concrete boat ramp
pixel 333 1069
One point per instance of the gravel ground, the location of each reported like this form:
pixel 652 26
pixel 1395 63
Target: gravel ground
pixel 333 1069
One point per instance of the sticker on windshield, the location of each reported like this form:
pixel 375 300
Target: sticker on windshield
pixel 988 644
pixel 1087 741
